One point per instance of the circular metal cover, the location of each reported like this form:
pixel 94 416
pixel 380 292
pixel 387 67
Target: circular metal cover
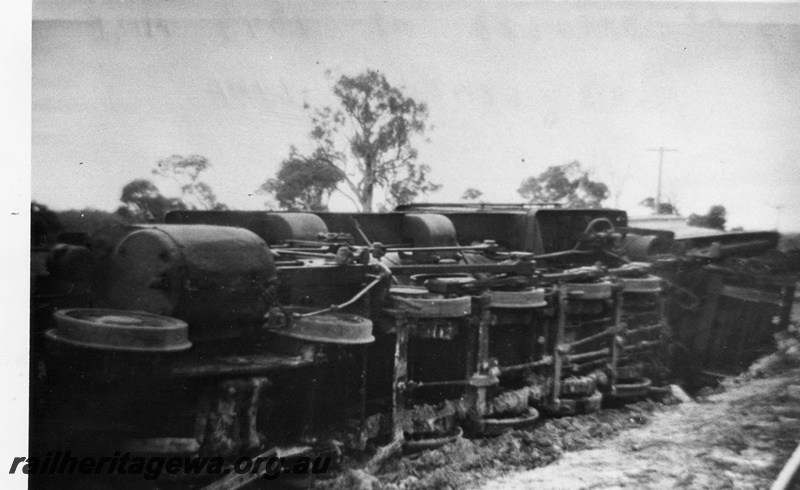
pixel 120 330
pixel 435 307
pixel 595 290
pixel 528 298
pixel 649 284
pixel 328 328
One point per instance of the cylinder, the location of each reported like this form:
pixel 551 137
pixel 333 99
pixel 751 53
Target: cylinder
pixel 212 277
pixel 430 230
pixel 283 227
pixel 643 247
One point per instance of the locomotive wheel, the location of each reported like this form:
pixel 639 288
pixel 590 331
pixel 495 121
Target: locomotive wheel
pixel 120 330
pixel 649 284
pixel 528 298
pixel 634 387
pixel 582 386
pixel 417 445
pixel 594 290
pixel 574 406
pixel 436 307
pixel 628 390
pixel 492 427
pixel 630 371
pixel 659 392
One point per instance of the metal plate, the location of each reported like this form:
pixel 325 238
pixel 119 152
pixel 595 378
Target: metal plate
pixel 120 330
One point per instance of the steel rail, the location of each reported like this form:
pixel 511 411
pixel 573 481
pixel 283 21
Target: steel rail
pixel 788 472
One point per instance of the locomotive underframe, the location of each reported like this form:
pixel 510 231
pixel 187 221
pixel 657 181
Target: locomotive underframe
pixel 486 370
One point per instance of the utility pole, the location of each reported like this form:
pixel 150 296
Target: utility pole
pixel 660 167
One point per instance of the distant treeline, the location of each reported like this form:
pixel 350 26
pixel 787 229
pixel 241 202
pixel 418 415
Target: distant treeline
pixel 789 241
pixel 49 226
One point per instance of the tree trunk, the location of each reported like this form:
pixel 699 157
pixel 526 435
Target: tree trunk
pixel 369 186
pixel 366 198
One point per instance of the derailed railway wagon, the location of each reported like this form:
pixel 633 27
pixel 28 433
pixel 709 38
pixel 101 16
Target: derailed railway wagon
pixel 233 333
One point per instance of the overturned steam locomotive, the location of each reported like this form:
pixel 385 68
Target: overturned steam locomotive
pixel 233 333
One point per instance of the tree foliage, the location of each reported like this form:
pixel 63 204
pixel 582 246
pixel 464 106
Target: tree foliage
pixel 369 138
pixel 303 183
pixel 715 218
pixel 89 220
pixel 45 225
pixel 471 194
pixel 185 172
pixel 668 207
pixel 49 227
pixel 568 185
pixel 142 201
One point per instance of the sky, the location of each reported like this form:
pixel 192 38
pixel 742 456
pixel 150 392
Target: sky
pixel 512 88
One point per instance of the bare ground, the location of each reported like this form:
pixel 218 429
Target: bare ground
pixel 740 439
